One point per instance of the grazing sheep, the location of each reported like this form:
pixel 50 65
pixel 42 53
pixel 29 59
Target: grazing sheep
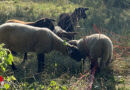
pixel 44 22
pixel 68 21
pixel 63 34
pixel 24 38
pixel 95 46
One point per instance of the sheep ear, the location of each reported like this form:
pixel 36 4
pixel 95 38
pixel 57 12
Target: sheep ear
pixel 86 8
pixel 74 53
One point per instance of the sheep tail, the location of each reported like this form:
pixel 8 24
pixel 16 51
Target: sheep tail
pixel 110 56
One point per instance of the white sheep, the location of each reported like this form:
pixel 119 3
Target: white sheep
pixel 43 22
pixel 95 46
pixel 24 38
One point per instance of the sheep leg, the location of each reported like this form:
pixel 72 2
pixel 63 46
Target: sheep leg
pixel 93 63
pixel 104 63
pixel 13 66
pixel 25 58
pixel 40 58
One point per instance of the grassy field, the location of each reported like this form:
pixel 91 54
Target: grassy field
pixel 31 11
pixel 62 72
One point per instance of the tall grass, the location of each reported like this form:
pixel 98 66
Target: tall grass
pixel 30 11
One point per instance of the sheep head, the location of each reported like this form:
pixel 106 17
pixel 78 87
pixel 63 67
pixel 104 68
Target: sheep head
pixel 80 12
pixel 45 22
pixel 74 53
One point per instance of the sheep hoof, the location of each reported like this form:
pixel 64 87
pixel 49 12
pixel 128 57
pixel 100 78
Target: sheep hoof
pixel 14 67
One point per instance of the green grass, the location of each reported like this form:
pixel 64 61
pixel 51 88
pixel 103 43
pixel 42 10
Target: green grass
pixel 61 71
pixel 31 11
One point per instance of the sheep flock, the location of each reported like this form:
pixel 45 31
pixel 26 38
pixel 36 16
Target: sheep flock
pixel 44 36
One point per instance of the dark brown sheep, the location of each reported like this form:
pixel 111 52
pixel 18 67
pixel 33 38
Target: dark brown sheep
pixel 44 22
pixel 68 21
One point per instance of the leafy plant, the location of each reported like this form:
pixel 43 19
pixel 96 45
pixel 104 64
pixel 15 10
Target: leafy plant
pixel 6 58
pixel 54 86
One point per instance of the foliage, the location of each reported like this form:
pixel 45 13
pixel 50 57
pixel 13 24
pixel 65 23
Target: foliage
pixel 6 58
pixel 54 86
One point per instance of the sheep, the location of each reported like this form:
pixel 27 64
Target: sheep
pixel 44 22
pixel 95 46
pixel 24 38
pixel 68 21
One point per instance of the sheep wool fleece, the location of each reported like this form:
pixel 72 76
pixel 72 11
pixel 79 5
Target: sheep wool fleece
pixel 25 38
pixel 95 46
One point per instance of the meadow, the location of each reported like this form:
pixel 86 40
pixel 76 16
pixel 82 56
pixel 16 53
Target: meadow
pixel 61 72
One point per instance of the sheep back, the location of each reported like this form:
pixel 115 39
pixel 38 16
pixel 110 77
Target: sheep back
pixel 44 22
pixel 96 45
pixel 25 38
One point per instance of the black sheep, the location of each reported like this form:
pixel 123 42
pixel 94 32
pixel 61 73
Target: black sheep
pixel 68 21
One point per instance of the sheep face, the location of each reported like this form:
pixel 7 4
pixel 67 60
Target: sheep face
pixel 74 53
pixel 45 22
pixel 80 12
